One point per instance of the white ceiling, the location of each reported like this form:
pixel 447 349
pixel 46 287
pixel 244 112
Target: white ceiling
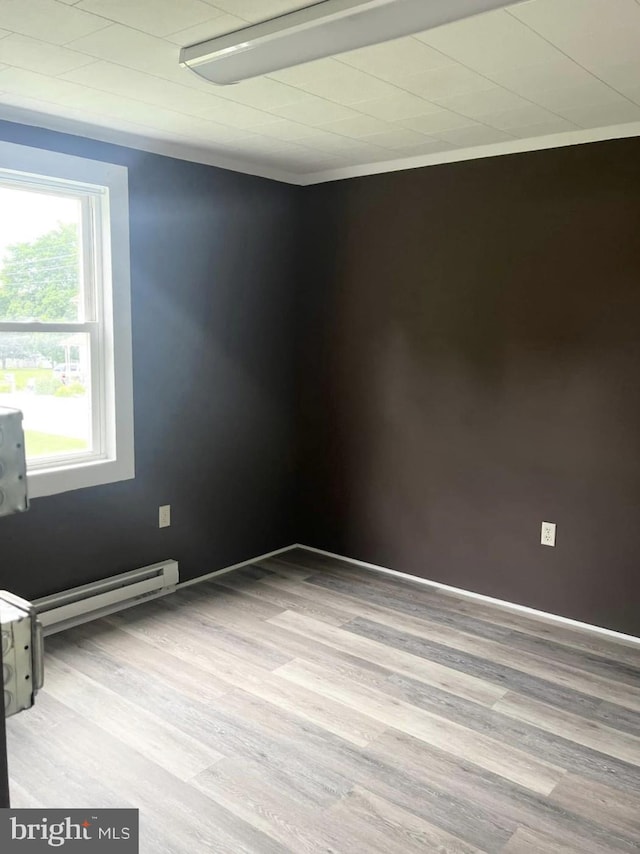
pixel 537 74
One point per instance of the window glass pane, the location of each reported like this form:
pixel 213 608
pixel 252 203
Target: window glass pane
pixel 47 375
pixel 40 256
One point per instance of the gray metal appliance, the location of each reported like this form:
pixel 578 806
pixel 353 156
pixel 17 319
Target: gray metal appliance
pixel 22 649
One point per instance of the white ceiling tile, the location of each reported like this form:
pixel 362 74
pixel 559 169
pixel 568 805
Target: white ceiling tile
pixel 379 156
pixel 308 72
pixel 343 161
pixel 260 10
pixel 236 115
pixel 349 86
pixel 558 92
pixel 397 138
pixel 445 82
pixel 114 119
pixel 361 152
pixel 634 94
pixel 285 130
pixel 597 115
pixel 48 20
pixel 565 97
pixel 592 49
pixel 19 81
pixel 185 77
pixel 437 122
pixel 607 47
pixel 134 84
pixel 555 125
pixel 531 114
pixel 124 108
pixel 623 77
pixel 332 143
pixel 260 144
pixel 559 16
pixel 313 111
pixel 126 46
pixel 158 17
pixel 220 134
pixel 131 110
pixel 357 126
pixel 208 132
pixel 51 108
pixel 35 55
pixel 475 104
pixel 261 93
pixel 218 26
pixel 401 105
pixel 395 59
pixel 354 152
pixel 527 80
pixel 429 147
pixel 313 156
pixel 308 136
pixel 490 42
pixel 478 135
pixel 591 31
pixel 370 155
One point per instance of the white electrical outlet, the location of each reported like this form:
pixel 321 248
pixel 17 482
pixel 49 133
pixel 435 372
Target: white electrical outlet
pixel 548 534
pixel 164 516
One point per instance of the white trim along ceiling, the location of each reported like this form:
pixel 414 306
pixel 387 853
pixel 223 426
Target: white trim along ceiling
pixel 533 75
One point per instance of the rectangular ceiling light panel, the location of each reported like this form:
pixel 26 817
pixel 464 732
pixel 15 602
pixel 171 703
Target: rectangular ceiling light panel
pixel 324 29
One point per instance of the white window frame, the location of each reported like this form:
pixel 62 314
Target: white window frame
pixel 106 185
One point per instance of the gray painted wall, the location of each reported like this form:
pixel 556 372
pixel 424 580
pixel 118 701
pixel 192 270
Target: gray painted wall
pixel 213 262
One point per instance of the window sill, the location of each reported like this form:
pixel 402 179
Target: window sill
pixel 43 482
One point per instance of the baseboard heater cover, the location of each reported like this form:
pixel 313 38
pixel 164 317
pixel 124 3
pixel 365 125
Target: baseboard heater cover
pixel 90 601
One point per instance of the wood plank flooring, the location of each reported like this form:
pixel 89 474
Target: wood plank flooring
pixel 306 705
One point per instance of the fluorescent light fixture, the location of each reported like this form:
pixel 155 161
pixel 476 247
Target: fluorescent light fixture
pixel 323 29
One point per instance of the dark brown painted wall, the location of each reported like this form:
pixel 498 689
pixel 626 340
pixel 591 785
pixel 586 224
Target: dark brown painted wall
pixel 213 257
pixel 471 366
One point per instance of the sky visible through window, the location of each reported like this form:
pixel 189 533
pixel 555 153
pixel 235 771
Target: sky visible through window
pixel 25 215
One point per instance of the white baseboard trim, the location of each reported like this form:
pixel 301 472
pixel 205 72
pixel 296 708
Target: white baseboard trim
pixel 628 640
pixel 226 569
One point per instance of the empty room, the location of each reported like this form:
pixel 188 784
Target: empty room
pixel 320 426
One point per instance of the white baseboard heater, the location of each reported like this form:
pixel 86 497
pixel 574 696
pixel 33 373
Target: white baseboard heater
pixel 91 601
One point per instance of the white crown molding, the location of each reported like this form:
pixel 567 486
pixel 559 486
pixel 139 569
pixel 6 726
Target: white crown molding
pixel 498 149
pixel 178 150
pixel 210 157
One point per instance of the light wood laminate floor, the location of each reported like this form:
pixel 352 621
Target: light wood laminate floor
pixel 306 705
